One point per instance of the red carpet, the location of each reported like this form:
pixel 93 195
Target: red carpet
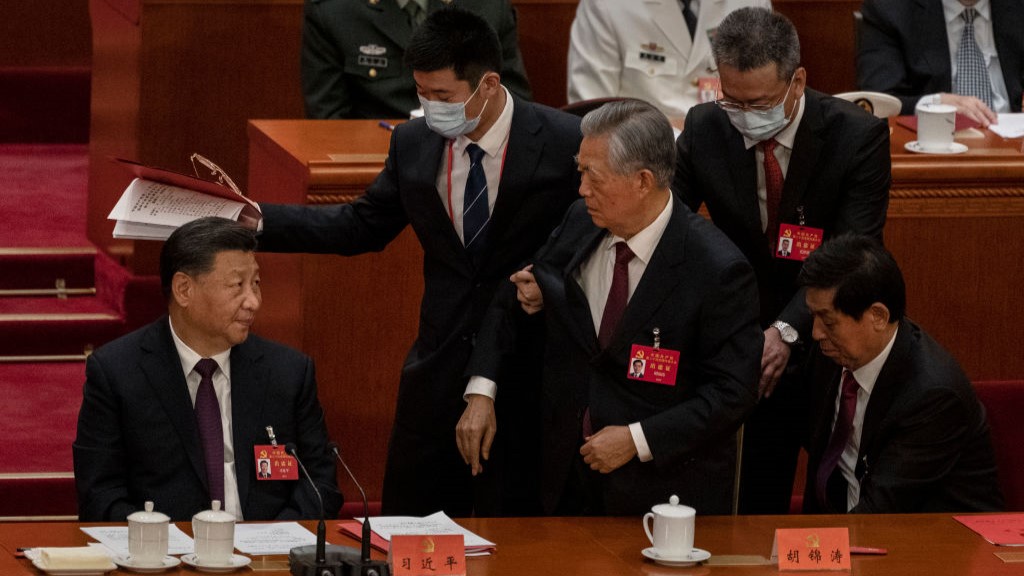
pixel 43 193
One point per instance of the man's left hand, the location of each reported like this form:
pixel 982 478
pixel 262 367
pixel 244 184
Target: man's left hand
pixel 773 361
pixel 609 449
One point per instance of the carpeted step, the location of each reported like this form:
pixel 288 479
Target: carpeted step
pixel 44 194
pixel 54 326
pixel 36 471
pixel 44 103
pixel 55 271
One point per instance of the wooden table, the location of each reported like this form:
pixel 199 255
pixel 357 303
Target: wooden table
pixel 926 544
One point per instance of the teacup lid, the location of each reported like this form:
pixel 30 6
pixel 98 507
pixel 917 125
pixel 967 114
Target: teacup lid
pixel 147 516
pixel 673 508
pixel 214 515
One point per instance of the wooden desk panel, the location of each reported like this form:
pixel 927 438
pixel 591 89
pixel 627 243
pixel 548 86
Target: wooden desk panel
pixel 926 544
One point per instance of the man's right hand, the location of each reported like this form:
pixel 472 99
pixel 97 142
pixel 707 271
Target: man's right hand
pixel 527 291
pixel 971 107
pixel 475 431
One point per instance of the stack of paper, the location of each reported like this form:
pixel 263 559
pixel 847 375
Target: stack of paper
pixel 384 527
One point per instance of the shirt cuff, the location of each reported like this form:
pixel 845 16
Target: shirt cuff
pixel 482 386
pixel 643 451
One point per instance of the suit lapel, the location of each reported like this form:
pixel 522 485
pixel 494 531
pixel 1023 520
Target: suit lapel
pixel 162 369
pixel 932 27
pixel 668 16
pixel 700 50
pixel 422 156
pixel 807 147
pixel 1007 24
pixel 576 301
pixel 248 390
pixel 887 386
pixel 741 163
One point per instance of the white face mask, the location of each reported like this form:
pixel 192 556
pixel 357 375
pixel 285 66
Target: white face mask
pixel 760 126
pixel 449 118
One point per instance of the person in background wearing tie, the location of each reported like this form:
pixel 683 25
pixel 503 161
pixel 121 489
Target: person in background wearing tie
pixel 968 53
pixel 172 412
pixel 482 179
pixel 773 158
pixel 895 426
pixel 658 51
pixel 353 50
pixel 632 271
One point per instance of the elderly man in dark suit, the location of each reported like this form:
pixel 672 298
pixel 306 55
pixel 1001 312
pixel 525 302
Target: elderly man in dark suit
pixel 632 273
pixel 773 159
pixel 895 426
pixel 353 50
pixel 155 425
pixel 482 180
pixel 925 49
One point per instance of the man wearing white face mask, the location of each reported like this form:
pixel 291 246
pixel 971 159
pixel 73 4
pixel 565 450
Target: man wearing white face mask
pixel 482 179
pixel 774 160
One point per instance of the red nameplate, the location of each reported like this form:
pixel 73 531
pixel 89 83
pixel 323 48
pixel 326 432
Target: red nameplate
pixel 413 555
pixel 812 548
pixel 273 463
pixel 797 242
pixel 657 365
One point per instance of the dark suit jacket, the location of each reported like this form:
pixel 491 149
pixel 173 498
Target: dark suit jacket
pixel 904 49
pixel 839 174
pixel 925 444
pixel 700 292
pixel 538 183
pixel 138 440
pixel 353 56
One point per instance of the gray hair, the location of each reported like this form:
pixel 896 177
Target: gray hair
pixel 751 38
pixel 639 137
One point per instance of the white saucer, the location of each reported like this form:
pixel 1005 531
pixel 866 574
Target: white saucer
pixel 954 148
pixel 71 571
pixel 234 563
pixel 128 563
pixel 696 555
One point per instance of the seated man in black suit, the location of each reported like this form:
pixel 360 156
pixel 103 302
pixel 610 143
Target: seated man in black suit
pixel 774 159
pixel 895 425
pixel 152 427
pixel 926 50
pixel 632 273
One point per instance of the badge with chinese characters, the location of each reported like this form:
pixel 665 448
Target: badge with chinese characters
pixel 653 363
pixel 274 463
pixel 797 242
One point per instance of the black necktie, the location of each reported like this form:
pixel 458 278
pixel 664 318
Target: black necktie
pixel 691 19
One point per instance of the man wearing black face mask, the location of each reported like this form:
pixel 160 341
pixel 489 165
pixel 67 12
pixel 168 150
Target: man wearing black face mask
pixel 776 162
pixel 482 180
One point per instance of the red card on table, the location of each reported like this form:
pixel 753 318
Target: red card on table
pixel 812 548
pixel 423 555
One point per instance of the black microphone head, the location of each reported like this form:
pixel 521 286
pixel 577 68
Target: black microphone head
pixel 290 448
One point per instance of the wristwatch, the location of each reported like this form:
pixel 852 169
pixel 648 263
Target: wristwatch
pixel 789 334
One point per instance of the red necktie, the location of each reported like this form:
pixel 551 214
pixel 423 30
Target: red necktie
pixel 211 432
pixel 773 182
pixel 618 295
pixel 840 437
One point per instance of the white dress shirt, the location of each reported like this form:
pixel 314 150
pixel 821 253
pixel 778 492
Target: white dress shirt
pixel 783 152
pixel 493 143
pixel 866 377
pixel 222 387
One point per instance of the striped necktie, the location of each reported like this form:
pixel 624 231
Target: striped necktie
pixel 475 212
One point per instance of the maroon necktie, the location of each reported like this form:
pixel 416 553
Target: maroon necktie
pixel 773 182
pixel 618 295
pixel 840 437
pixel 211 432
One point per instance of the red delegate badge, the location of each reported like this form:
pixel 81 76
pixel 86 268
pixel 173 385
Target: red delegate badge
pixel 657 365
pixel 797 242
pixel 274 463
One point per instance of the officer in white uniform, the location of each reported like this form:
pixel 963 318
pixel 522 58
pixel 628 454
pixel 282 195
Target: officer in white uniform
pixel 643 49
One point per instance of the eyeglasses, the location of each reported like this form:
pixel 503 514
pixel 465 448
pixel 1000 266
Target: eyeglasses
pixel 731 106
pixel 222 176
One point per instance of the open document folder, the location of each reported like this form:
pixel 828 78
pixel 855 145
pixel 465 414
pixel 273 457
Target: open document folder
pixel 158 201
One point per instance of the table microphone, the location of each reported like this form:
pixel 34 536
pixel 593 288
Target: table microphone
pixel 312 560
pixel 367 567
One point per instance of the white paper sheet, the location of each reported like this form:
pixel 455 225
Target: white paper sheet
pixel 115 538
pixel 437 523
pixel 1009 126
pixel 274 538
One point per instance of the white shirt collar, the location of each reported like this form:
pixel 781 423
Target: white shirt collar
pixel 493 141
pixel 189 357
pixel 643 243
pixel 953 8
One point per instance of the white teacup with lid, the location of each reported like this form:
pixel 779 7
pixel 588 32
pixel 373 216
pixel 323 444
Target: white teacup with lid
pixel 214 533
pixel 672 534
pixel 147 536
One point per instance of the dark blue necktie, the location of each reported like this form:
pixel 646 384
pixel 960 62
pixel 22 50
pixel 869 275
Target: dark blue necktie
pixel 475 213
pixel 211 432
